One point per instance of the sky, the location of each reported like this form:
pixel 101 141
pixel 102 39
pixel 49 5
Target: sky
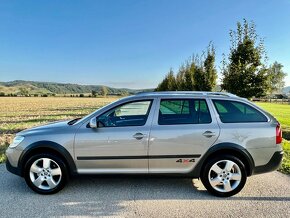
pixel 128 43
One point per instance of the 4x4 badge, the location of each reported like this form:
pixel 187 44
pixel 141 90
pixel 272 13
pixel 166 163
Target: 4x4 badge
pixel 185 161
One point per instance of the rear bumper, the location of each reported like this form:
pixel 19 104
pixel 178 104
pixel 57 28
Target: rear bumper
pixel 11 169
pixel 272 165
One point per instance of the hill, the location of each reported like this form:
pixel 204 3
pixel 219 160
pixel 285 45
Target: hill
pixel 33 87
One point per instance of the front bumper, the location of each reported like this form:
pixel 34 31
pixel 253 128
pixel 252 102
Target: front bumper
pixel 272 165
pixel 12 165
pixel 12 169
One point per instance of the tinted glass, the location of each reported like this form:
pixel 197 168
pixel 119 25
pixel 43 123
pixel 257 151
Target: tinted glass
pixel 183 111
pixel 237 112
pixel 130 114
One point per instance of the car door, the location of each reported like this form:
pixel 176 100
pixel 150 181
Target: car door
pixel 120 142
pixel 182 131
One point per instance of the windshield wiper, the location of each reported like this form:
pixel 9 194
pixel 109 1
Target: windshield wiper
pixel 73 121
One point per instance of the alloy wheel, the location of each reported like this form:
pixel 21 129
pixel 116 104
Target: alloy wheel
pixel 224 176
pixel 45 174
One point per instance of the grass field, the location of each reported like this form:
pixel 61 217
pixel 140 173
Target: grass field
pixel 282 114
pixel 18 113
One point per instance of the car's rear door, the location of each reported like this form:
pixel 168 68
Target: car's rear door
pixel 182 131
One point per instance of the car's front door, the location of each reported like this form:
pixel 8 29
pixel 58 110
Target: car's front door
pixel 182 131
pixel 120 142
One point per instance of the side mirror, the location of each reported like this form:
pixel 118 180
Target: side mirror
pixel 93 123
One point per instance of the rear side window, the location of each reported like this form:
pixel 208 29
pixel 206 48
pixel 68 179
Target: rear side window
pixel 183 111
pixel 237 112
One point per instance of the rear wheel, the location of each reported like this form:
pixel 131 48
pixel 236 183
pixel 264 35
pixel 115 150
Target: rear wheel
pixel 45 173
pixel 224 176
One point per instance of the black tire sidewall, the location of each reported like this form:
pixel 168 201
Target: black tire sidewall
pixel 62 166
pixel 210 163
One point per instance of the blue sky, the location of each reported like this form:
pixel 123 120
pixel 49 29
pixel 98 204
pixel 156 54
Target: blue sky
pixel 127 43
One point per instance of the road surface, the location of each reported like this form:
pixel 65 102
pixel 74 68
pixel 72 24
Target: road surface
pixel 266 195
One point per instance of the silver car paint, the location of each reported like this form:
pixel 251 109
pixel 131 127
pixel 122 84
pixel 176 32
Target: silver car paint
pixel 113 141
pixel 257 138
pixel 178 140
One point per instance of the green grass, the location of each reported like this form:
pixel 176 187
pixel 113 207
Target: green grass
pixel 285 166
pixel 282 113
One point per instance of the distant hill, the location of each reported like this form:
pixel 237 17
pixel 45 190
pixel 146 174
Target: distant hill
pixel 33 87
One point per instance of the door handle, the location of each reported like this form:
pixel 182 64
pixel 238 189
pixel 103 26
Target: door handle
pixel 139 136
pixel 208 134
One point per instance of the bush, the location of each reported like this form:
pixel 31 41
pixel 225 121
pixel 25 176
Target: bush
pixel 285 166
pixel 82 95
pixel 286 135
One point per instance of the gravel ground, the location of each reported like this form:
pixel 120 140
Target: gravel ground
pixel 266 195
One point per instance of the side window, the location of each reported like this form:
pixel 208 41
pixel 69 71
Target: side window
pixel 237 112
pixel 183 111
pixel 130 114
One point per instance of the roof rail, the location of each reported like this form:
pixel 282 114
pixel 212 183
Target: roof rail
pixel 188 93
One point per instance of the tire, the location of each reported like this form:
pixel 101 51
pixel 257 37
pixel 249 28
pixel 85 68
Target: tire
pixel 224 176
pixel 45 173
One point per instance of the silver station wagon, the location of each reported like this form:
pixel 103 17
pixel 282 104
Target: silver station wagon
pixel 217 137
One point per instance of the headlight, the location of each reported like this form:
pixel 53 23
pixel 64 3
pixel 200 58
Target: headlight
pixel 16 141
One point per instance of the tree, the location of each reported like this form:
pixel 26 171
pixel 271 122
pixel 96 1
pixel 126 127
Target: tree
pixel 245 73
pixel 196 74
pixel 94 93
pixel 210 71
pixel 104 91
pixel 163 85
pixel 168 83
pixel 171 81
pixel 23 91
pixel 188 83
pixel 199 79
pixel 180 78
pixel 276 77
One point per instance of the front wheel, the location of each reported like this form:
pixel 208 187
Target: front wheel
pixel 45 173
pixel 224 176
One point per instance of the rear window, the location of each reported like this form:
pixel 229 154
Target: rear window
pixel 183 111
pixel 237 112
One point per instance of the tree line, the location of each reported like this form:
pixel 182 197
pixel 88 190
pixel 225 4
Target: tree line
pixel 198 73
pixel 244 70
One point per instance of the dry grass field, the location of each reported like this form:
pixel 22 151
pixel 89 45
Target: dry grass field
pixel 18 113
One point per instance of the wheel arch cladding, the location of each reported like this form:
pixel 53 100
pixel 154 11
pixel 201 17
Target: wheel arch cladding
pixel 226 148
pixel 47 147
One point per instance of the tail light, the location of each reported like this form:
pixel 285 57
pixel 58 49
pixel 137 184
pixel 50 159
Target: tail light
pixel 278 134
